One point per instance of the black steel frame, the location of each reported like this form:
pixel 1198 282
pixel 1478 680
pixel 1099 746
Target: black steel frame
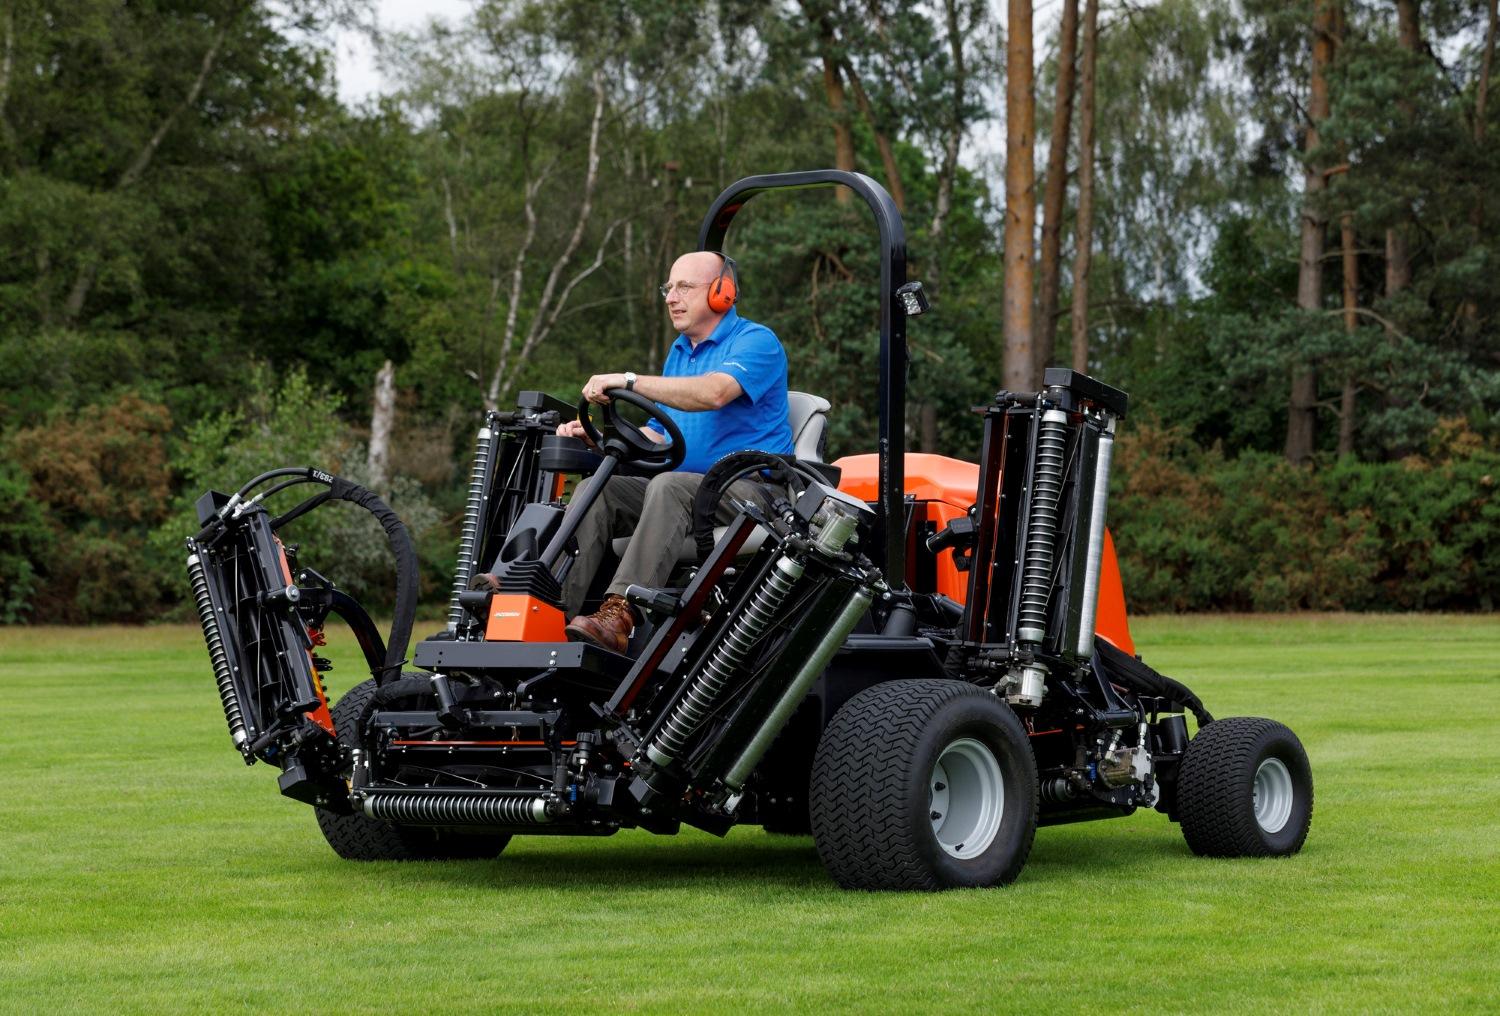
pixel 891 535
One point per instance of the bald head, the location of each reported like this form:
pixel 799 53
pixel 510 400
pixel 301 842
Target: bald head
pixel 689 308
pixel 699 266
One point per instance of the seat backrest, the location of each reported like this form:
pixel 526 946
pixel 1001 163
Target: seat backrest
pixel 808 415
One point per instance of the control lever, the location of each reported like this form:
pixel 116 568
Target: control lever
pixel 959 532
pixel 658 602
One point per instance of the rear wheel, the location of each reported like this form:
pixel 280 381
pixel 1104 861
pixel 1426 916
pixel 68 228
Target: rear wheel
pixel 360 838
pixel 924 784
pixel 1245 790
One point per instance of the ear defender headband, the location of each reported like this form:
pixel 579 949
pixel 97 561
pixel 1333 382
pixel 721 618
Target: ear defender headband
pixel 724 290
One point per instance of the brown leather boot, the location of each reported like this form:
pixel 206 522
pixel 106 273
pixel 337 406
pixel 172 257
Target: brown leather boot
pixel 608 628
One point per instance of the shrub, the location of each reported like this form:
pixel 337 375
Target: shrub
pixel 1197 532
pixel 102 479
pixel 287 421
pixel 24 537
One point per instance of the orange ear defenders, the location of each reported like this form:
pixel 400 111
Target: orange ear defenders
pixel 724 290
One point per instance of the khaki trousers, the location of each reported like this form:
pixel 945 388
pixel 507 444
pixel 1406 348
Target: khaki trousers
pixel 657 514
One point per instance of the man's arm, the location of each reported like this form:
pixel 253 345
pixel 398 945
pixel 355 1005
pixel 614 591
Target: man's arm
pixel 714 390
pixel 692 394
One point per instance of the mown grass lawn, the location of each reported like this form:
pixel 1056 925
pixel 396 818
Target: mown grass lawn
pixel 144 868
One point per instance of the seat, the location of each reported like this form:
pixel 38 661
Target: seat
pixel 808 415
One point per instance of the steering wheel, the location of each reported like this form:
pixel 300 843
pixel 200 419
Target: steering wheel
pixel 627 441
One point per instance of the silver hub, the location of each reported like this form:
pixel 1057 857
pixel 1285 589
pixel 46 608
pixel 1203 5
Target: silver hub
pixel 967 798
pixel 1273 795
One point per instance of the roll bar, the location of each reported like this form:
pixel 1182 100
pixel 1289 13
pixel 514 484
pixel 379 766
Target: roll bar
pixel 893 354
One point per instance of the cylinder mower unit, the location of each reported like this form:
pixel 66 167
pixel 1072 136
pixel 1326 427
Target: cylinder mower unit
pixel 917 663
pixel 1034 580
pixel 262 619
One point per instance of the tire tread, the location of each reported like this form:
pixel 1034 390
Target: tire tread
pixel 858 798
pixel 1215 821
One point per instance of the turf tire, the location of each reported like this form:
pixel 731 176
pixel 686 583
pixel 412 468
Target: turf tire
pixel 361 838
pixel 1216 789
pixel 871 795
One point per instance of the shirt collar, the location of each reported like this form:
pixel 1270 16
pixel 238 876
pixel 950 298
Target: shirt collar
pixel 721 332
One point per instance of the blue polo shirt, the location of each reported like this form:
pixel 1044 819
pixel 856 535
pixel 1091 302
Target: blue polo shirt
pixel 752 355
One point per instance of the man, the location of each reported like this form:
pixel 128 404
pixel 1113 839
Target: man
pixel 724 385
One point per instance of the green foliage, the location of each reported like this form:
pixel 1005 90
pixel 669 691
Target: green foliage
pixel 25 538
pixel 153 252
pixel 287 421
pixel 1196 531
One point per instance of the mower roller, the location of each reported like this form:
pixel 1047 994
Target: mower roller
pixel 916 659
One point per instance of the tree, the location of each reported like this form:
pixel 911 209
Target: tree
pixel 1302 405
pixel 1084 230
pixel 1020 200
pixel 1397 243
pixel 1056 189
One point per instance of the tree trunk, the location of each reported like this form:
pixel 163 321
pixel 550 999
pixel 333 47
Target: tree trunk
pixel 7 61
pixel 1020 203
pixel 928 431
pixel 1481 102
pixel 382 419
pixel 1057 189
pixel 1351 325
pixel 1302 406
pixel 1397 247
pixel 551 301
pixel 1083 231
pixel 833 87
pixel 882 142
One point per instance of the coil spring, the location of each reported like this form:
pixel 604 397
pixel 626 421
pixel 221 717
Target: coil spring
pixel 725 661
pixel 457 809
pixel 1041 528
pixel 214 638
pixel 469 535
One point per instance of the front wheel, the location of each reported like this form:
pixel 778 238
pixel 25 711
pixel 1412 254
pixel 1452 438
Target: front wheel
pixel 924 784
pixel 1245 789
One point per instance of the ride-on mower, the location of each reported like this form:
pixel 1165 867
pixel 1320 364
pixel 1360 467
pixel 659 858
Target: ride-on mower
pixel 914 658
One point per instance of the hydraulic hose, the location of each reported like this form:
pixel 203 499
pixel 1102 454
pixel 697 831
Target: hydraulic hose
pixel 1127 670
pixel 776 470
pixel 340 489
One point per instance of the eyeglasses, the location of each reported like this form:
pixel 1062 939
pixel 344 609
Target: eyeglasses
pixel 684 288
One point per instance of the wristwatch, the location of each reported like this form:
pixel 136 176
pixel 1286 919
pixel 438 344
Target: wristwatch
pixel 630 380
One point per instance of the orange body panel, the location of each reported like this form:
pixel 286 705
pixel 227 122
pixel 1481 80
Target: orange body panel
pixel 516 617
pixel 944 490
pixel 1110 622
pixel 928 478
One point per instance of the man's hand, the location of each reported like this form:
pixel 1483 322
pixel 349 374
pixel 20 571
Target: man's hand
pixel 574 428
pixel 595 388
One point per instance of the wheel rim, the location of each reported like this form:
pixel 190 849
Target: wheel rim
pixel 967 798
pixel 1273 795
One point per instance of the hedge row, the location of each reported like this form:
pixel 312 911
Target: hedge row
pixel 93 509
pixel 1196 531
